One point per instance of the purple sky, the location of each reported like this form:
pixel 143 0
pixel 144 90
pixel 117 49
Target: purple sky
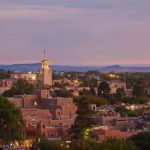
pixel 75 32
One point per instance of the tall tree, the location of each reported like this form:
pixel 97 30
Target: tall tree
pixel 83 120
pixel 11 121
pixel 4 74
pixel 92 91
pixel 141 140
pixel 116 144
pixel 85 92
pixel 47 145
pixel 104 89
pixel 63 93
pixel 138 91
pixel 120 93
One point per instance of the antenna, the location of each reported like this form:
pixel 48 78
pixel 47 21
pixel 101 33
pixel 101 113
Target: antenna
pixel 44 54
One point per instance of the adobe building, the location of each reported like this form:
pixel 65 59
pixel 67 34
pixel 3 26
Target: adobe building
pixel 24 101
pixel 36 120
pixel 38 124
pixel 104 134
pixel 116 84
pixel 44 115
pixel 43 94
pixel 5 84
pixel 45 74
pixel 63 110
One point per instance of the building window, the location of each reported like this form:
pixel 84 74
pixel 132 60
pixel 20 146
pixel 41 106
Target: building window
pixel 43 134
pixel 38 126
pixel 43 126
pixel 52 135
pixel 58 113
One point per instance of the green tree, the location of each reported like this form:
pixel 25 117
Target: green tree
pixel 4 74
pixel 120 93
pixel 139 91
pixel 135 100
pixel 109 144
pixel 99 101
pixel 83 120
pixel 85 92
pixel 116 144
pixel 93 82
pixel 123 112
pixel 47 145
pixel 92 91
pixel 63 93
pixel 104 89
pixel 141 140
pixel 11 121
pixel 19 88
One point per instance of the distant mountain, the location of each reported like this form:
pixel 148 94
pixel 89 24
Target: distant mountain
pixel 115 68
pixel 21 67
pixel 35 67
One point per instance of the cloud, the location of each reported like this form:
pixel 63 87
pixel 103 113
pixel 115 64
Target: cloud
pixel 35 12
pixel 75 31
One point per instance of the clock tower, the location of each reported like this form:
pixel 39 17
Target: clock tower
pixel 45 74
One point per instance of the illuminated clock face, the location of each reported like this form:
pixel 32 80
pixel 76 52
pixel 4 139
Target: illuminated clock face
pixel 45 64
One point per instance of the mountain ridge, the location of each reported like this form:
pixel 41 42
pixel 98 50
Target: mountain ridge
pixel 35 67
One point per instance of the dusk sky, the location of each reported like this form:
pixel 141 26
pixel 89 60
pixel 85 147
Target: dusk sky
pixel 75 32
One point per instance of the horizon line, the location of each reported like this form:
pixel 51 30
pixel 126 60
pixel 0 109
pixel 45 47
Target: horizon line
pixel 83 65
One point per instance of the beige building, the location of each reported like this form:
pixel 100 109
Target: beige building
pixel 29 76
pixel 116 84
pixel 45 74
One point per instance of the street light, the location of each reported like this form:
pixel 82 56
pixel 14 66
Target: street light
pixel 86 136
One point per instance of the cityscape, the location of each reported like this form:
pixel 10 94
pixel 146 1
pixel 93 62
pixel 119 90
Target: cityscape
pixel 88 88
